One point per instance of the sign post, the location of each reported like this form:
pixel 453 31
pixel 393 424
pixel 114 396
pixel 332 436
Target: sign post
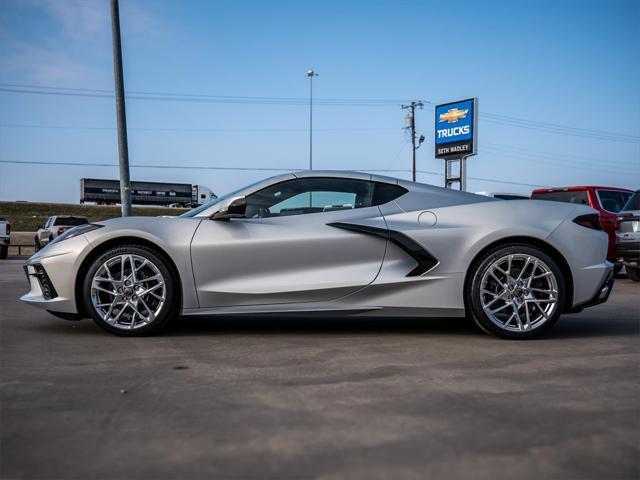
pixel 456 138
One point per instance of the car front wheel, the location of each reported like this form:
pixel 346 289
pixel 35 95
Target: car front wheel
pixel 515 292
pixel 130 291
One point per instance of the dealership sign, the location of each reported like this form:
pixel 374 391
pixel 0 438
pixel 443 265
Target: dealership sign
pixel 456 129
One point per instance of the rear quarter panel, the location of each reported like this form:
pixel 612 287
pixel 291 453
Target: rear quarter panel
pixel 462 231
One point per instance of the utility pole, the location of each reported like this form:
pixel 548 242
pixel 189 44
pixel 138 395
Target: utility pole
pixel 123 147
pixel 311 74
pixel 411 123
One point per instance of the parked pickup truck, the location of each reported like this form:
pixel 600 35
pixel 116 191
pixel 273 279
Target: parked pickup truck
pixel 5 234
pixel 628 237
pixel 56 226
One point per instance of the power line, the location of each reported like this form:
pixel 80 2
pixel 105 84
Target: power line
pixel 540 164
pixel 138 92
pixel 176 129
pixel 502 149
pixel 554 125
pixel 554 161
pixel 554 128
pixel 184 167
pixel 489 117
pixel 207 98
pixel 256 169
pixel 547 158
pixel 597 136
pixel 548 154
pixel 521 153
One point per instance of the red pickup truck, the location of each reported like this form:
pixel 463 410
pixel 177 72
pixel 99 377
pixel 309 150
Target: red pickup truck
pixel 608 201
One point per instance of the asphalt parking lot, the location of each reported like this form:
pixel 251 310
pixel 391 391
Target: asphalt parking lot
pixel 269 398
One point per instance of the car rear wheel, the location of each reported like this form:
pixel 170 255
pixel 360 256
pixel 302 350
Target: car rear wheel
pixel 130 291
pixel 4 252
pixel 515 292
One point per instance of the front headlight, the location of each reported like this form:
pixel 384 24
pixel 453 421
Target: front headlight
pixel 76 231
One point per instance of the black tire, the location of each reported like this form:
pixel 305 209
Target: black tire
pixel 473 301
pixel 633 274
pixel 4 252
pixel 171 305
pixel 36 244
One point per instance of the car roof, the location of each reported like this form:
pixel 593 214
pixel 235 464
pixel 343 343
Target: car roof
pixel 580 188
pixel 346 174
pixel 350 174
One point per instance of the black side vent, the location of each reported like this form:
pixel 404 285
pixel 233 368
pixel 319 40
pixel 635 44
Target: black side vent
pixel 48 292
pixel 425 260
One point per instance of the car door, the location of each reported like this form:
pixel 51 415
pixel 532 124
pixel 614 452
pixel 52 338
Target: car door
pixel 285 250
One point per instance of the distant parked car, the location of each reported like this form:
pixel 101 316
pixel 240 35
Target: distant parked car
pixel 56 226
pixel 608 201
pixel 504 196
pixel 628 237
pixel 5 234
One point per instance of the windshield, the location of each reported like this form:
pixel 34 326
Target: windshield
pixel 214 201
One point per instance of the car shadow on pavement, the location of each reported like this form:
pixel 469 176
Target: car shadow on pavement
pixel 569 326
pixel 573 326
pixel 298 325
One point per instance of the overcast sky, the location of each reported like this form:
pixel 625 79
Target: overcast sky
pixel 557 83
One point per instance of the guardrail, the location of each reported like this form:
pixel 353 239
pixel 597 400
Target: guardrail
pixel 20 246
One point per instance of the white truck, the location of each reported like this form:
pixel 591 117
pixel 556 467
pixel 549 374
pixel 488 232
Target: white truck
pixel 5 237
pixel 56 226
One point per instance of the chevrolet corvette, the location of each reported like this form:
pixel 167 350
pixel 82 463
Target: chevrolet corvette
pixel 333 244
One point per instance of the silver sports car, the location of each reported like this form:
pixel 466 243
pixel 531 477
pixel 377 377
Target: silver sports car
pixel 332 243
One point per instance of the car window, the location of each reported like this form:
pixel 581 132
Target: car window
pixel 309 195
pixel 613 200
pixel 385 192
pixel 70 221
pixel 48 224
pixel 568 196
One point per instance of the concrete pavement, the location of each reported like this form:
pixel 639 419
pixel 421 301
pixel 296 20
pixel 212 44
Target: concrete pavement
pixel 318 398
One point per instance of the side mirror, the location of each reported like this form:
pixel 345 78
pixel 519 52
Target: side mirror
pixel 235 209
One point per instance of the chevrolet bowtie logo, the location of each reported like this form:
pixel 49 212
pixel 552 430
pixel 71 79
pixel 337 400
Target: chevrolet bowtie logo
pixel 453 115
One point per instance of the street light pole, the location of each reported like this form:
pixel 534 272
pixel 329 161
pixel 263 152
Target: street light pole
pixel 123 147
pixel 311 74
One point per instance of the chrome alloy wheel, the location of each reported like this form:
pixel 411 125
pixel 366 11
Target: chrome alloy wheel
pixel 519 292
pixel 128 291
